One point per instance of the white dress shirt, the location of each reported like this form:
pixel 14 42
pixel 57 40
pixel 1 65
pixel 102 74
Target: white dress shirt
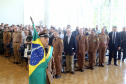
pixel 69 39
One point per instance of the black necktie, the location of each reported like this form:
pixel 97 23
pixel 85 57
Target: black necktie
pixel 114 38
pixel 79 37
pixel 55 39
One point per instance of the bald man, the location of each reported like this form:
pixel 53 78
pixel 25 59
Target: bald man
pixel 103 40
pixel 82 48
pixel 70 50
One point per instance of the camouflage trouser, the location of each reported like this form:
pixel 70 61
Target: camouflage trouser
pixel 1 47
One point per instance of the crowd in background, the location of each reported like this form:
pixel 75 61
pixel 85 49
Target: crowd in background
pixel 20 36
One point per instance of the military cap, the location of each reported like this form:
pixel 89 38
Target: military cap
pixel 43 34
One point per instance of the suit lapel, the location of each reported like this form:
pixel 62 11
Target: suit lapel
pixel 112 36
pixel 67 39
pixel 70 39
pixel 116 36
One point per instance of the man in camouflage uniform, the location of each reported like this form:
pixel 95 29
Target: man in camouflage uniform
pixel 57 53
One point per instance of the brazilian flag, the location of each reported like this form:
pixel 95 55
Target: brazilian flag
pixel 38 61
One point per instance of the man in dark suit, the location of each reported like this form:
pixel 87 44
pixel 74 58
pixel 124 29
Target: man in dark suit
pixel 64 30
pixel 86 32
pixel 70 47
pixel 123 41
pixel 51 36
pixel 122 35
pixel 76 32
pixel 114 45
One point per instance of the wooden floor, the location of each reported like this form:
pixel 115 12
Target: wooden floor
pixel 14 74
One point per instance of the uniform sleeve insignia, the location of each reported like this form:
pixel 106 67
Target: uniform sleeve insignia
pixel 61 40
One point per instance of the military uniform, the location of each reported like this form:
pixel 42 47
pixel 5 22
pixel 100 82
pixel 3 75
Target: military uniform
pixel 93 47
pixel 82 47
pixel 50 71
pixel 11 32
pixel 103 40
pixel 17 38
pixel 57 54
pixel 1 41
pixel 6 41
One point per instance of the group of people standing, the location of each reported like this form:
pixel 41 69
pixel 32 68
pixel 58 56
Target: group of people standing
pixel 78 42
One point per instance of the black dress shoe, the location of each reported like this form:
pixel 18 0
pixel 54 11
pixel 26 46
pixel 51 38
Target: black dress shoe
pixel 58 77
pixel 67 71
pixel 102 65
pixel 6 56
pixel 109 64
pixel 115 64
pixel 72 72
pixel 92 68
pixel 17 63
pixel 14 62
pixel 99 65
pixel 78 70
pixel 82 70
pixel 88 68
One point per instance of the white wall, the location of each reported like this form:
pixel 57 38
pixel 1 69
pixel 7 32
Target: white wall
pixel 35 9
pixel 12 11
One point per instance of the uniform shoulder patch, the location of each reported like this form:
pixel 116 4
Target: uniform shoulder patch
pixel 62 40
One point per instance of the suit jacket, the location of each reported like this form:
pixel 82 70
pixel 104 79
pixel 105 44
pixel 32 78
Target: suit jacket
pixel 123 38
pixel 51 40
pixel 68 48
pixel 64 32
pixel 117 40
pixel 75 33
